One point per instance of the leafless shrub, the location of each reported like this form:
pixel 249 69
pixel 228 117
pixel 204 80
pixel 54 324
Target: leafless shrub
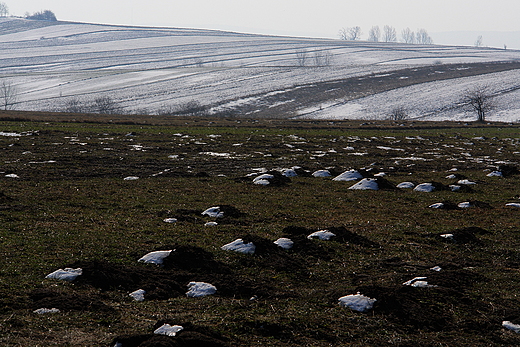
pixel 105 105
pixel 190 108
pixel 322 58
pixel 398 113
pixel 74 105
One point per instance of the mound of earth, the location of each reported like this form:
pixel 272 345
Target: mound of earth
pixel 48 298
pixel 508 170
pixel 191 335
pixel 465 235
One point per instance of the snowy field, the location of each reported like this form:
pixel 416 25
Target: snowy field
pixel 146 69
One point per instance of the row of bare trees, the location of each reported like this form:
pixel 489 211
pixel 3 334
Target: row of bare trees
pixel 4 10
pixel 387 34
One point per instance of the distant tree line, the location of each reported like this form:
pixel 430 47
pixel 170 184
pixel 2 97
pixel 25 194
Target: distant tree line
pixel 387 34
pixel 42 15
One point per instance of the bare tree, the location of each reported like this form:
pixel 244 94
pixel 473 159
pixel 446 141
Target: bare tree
pixel 8 95
pixel 322 58
pixel 343 34
pixel 389 34
pixel 423 38
pixel 4 10
pixel 374 34
pixel 43 15
pixel 480 100
pixel 351 34
pixel 408 36
pixel 301 57
pixel 479 41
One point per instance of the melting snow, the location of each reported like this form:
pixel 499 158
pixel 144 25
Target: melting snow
pixel 436 268
pixel 494 174
pixel 322 235
pixel 350 175
pixel 46 310
pixel 466 182
pixel 406 185
pixel 138 295
pixel 170 220
pixel 213 212
pixel 321 173
pixel 418 282
pixel 425 187
pixel 513 204
pixel 12 176
pixel 366 184
pixel 131 178
pixel 211 224
pixel 239 246
pixel 285 243
pixel 289 173
pixel 437 205
pixel 156 257
pixel 357 302
pixel 262 179
pixel 514 327
pixel 465 204
pixel 67 274
pixel 168 330
pixel 200 289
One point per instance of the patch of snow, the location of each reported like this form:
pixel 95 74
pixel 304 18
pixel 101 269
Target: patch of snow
pixel 321 173
pixel 465 204
pixel 418 282
pixel 513 204
pixel 46 310
pixel 437 205
pixel 263 177
pixel 357 302
pixel 284 243
pixel 67 274
pixel 495 174
pixel 289 173
pixel 466 182
pixel 511 326
pixel 168 330
pixel 239 246
pixel 211 224
pixel 380 174
pixel 12 176
pixel 262 182
pixel 451 177
pixel 213 212
pixel 156 257
pixel 200 289
pixel 436 268
pixel 366 184
pixel 454 187
pixel 447 236
pixel 390 148
pixel 350 175
pixel 131 178
pixel 138 295
pixel 170 220
pixel 424 187
pixel 3 133
pixel 324 235
pixel 406 185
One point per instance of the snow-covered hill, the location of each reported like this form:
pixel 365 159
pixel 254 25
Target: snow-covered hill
pixel 147 69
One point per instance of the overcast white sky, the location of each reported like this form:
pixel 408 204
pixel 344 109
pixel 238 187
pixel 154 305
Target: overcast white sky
pixel 321 18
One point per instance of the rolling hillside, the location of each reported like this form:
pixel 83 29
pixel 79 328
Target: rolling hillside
pixel 153 70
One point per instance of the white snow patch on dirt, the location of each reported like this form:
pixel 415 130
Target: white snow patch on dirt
pixel 67 274
pixel 357 302
pixel 239 246
pixel 200 289
pixel 156 257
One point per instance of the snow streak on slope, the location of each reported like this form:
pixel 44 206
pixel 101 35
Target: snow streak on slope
pixel 51 63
